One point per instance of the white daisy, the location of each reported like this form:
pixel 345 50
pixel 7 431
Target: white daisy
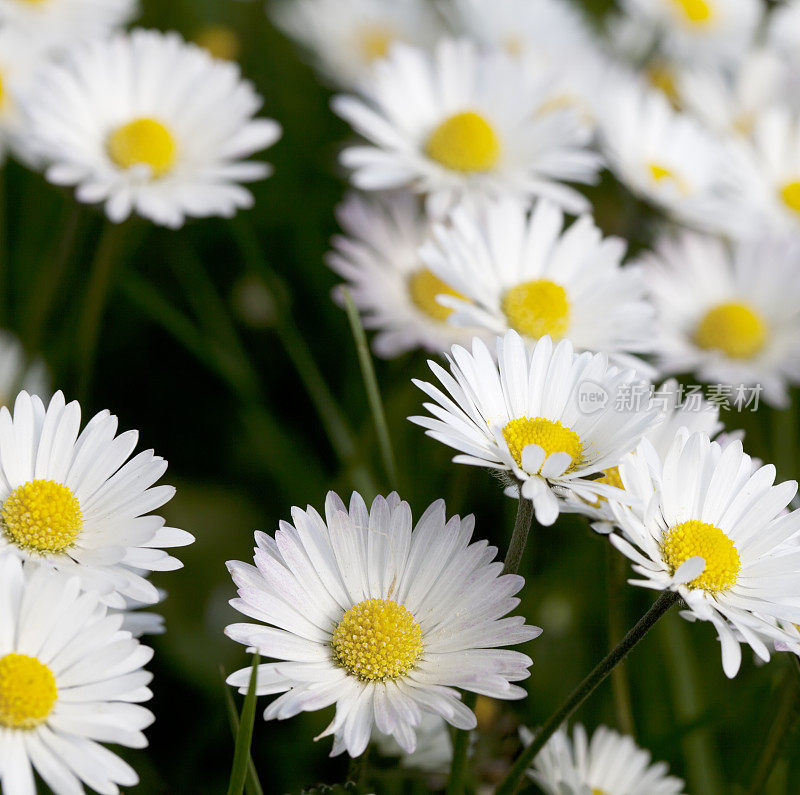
pixel 60 23
pixel 547 417
pixel 700 30
pixel 771 159
pixel 784 28
pixel 730 315
pixel 434 751
pixel 461 122
pixel 149 124
pixel 531 274
pixel 381 620
pixel 608 763
pixel 396 293
pixel 669 159
pixel 70 500
pixel 346 37
pixel 70 679
pixel 18 371
pixel 705 525
pixel 677 411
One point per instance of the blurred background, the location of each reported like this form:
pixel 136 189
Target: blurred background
pixel 206 347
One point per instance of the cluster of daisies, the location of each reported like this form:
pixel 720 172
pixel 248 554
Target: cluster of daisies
pixel 467 233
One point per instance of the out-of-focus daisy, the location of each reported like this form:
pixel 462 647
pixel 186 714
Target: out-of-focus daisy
pixel 729 101
pixel 461 122
pixel 60 23
pixel 511 270
pixel 70 679
pixel 705 525
pixel 547 417
pixel 381 620
pixel 123 119
pixel 17 371
pixel 434 751
pixel 784 28
pixel 772 162
pixel 396 293
pixel 608 763
pixel 669 159
pixel 676 411
pixel 70 500
pixel 730 315
pixel 700 30
pixel 346 37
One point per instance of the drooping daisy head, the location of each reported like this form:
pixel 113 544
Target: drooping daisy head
pixel 124 120
pixel 380 619
pixel 699 30
pixel 72 500
pixel 463 122
pixel 669 159
pixel 608 764
pixel 509 269
pixel 397 294
pixel 547 417
pixel 730 315
pixel 704 524
pixel 346 37
pixel 57 24
pixel 70 679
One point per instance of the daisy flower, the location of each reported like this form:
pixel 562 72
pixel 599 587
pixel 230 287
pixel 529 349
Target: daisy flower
pixel 694 413
pixel 70 500
pixel 60 23
pixel 378 256
pixel 545 417
pixel 700 30
pixel 346 37
pixel 509 269
pixel 18 371
pixel 70 679
pixel 772 165
pixel 784 28
pixel 728 314
pixel 462 122
pixel 123 120
pixel 381 620
pixel 434 751
pixel 669 159
pixel 705 525
pixel 608 763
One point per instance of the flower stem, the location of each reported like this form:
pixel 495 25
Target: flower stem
pixel 782 724
pixel 373 391
pixel 459 768
pixel 519 537
pixel 664 602
pixel 620 685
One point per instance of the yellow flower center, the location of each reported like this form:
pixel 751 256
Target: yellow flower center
pixel 552 437
pixel 375 42
pixel 598 791
pixel 464 142
pixel 377 639
pixel 27 691
pixel 143 142
pixel 424 286
pixel 537 308
pixel 698 12
pixel 220 42
pixel 663 78
pixel 733 328
pixel 42 515
pixel 700 539
pixel 790 194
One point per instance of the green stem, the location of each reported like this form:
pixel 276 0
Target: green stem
pixel 358 770
pixel 96 297
pixel 664 602
pixel 244 734
pixel 620 686
pixel 782 724
pixel 522 527
pixel 373 392
pixel 459 769
pixel 252 785
pixel 50 277
pixel 784 440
